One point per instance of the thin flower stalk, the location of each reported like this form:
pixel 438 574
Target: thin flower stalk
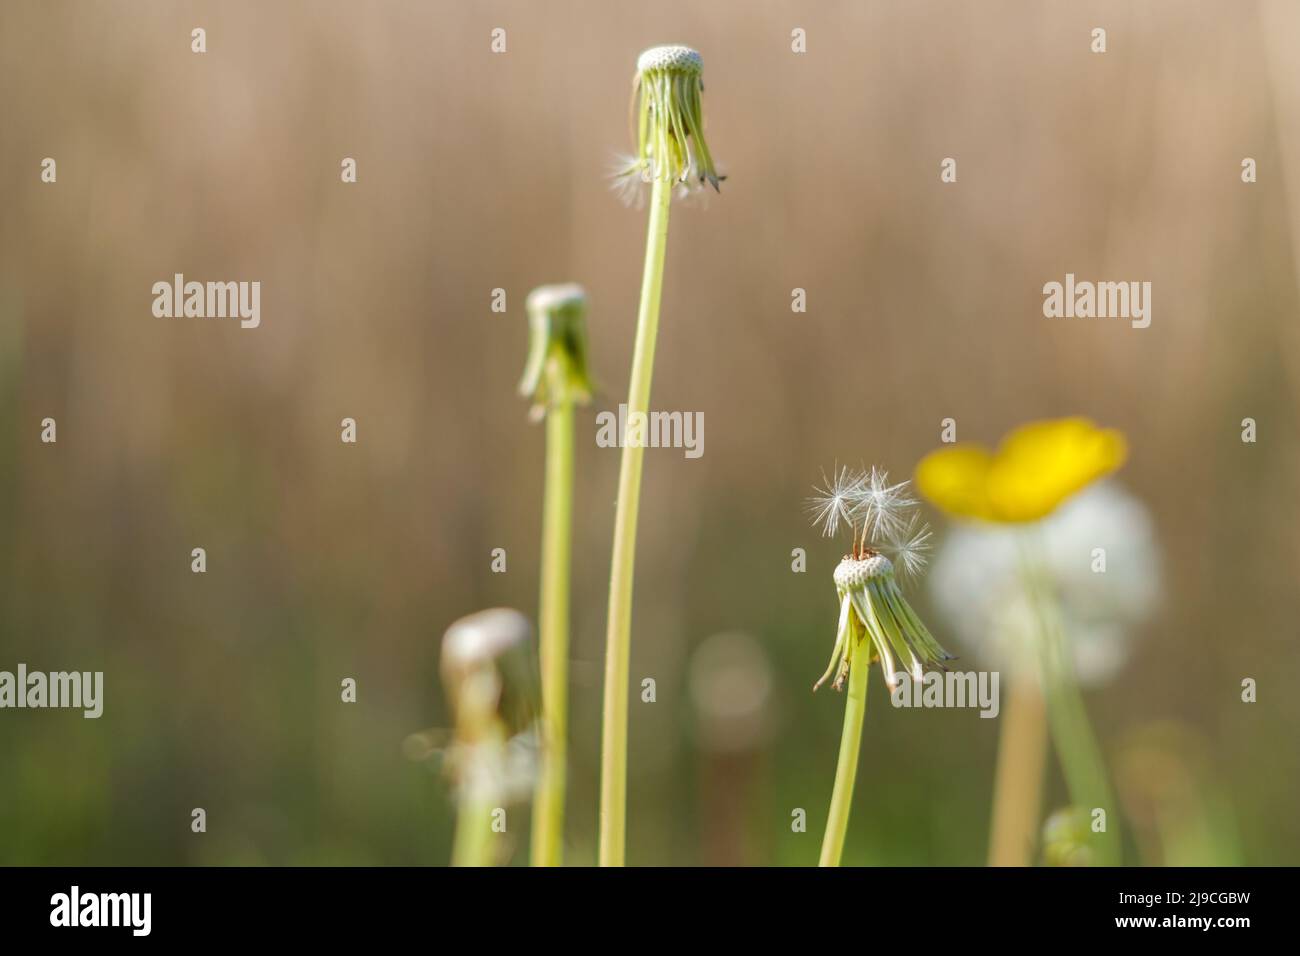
pixel 555 378
pixel 876 623
pixel 671 152
pixel 1018 779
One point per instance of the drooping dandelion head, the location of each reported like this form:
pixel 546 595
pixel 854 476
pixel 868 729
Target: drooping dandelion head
pixel 489 671
pixel 669 120
pixel 889 541
pixel 556 369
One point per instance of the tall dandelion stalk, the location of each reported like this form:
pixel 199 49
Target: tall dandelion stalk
pixel 555 378
pixel 876 623
pixel 671 154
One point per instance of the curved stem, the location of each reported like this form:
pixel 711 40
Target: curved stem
pixel 846 772
pixel 553 617
pixel 618 634
pixel 1018 785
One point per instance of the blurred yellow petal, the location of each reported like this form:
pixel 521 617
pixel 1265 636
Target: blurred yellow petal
pixel 1036 468
pixel 956 479
pixel 1040 465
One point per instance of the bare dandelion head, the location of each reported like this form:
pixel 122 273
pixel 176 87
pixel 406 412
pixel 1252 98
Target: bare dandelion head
pixel 669 123
pixel 556 368
pixel 889 542
pixel 491 679
pixel 488 670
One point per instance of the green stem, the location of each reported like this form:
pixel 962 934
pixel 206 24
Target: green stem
pixel 1076 745
pixel 618 636
pixel 846 772
pixel 557 526
pixel 1018 780
pixel 472 845
pixel 479 765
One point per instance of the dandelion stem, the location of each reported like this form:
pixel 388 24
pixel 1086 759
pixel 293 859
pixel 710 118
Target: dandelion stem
pixel 1072 735
pixel 1018 785
pixel 846 772
pixel 471 845
pixel 618 637
pixel 557 535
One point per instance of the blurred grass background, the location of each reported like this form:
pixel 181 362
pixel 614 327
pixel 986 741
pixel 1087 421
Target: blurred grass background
pixel 479 171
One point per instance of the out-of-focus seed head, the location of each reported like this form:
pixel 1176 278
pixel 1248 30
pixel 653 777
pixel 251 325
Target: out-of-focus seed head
pixel 556 369
pixel 489 672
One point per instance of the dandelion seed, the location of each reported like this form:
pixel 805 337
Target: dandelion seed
pixel 881 507
pixel 910 550
pixel 834 501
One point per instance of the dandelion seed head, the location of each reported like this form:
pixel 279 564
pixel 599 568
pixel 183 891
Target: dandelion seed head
pixel 890 542
pixel 552 298
pixel 555 371
pixel 977 583
pixel 668 119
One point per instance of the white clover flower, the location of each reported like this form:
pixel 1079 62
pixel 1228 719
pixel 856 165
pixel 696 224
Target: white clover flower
pixel 977 584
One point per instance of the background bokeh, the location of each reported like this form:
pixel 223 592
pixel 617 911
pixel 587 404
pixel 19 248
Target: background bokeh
pixel 479 171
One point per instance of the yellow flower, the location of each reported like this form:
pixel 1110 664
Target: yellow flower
pixel 1036 467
